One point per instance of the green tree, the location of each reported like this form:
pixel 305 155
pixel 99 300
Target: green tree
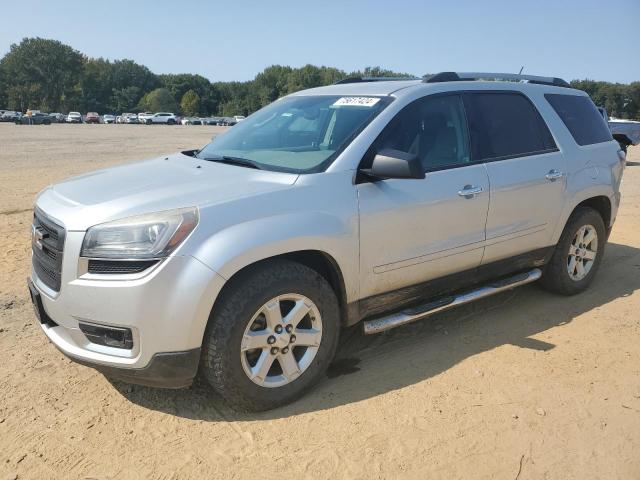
pixel 95 85
pixel 179 84
pixel 271 83
pixel 124 99
pixel 39 72
pixel 3 87
pixel 190 103
pixel 158 100
pixel 379 72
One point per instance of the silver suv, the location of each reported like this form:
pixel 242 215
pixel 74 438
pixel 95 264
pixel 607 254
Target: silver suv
pixel 378 202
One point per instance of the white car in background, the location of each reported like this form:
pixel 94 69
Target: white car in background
pixel 191 121
pixel 239 118
pixel 130 118
pixel 164 118
pixel 74 117
pixel 625 132
pixel 108 119
pixel 144 116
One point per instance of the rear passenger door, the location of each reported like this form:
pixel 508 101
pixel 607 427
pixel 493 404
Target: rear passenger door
pixel 526 172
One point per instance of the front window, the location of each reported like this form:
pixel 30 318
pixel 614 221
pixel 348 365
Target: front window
pixel 301 134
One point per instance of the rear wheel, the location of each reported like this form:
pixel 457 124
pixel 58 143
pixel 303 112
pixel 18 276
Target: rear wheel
pixel 578 254
pixel 271 336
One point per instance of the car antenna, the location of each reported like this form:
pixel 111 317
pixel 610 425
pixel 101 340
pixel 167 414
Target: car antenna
pixel 521 68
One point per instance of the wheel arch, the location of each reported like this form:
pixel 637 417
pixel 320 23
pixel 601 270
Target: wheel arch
pixel 321 262
pixel 599 200
pixel 602 205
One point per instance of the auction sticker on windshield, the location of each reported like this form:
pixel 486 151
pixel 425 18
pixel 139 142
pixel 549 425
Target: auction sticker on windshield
pixel 356 101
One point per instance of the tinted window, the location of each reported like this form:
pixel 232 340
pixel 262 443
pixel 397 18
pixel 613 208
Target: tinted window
pixel 581 117
pixel 433 128
pixel 505 125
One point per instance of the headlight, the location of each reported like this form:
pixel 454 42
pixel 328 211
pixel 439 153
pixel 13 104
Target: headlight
pixel 146 236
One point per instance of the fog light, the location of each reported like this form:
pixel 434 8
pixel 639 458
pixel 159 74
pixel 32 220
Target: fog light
pixel 108 336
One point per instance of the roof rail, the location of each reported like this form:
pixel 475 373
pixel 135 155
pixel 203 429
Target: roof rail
pixel 500 77
pixel 373 79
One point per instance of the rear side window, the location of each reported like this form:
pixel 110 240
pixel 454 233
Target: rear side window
pixel 581 117
pixel 505 125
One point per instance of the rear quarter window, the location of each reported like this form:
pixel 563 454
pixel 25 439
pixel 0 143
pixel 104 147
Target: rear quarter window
pixel 581 117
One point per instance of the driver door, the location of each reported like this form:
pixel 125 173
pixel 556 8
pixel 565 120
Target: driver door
pixel 413 231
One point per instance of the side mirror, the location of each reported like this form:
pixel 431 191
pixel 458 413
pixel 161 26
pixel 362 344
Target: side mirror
pixel 390 163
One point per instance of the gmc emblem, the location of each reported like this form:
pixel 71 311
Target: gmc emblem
pixel 37 235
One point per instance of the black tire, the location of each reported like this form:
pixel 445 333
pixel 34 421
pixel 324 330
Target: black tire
pixel 555 276
pixel 245 295
pixel 171 122
pixel 623 147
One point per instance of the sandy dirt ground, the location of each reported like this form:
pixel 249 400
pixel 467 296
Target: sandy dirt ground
pixel 524 385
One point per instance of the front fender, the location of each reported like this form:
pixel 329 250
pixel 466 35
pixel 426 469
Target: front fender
pixel 230 250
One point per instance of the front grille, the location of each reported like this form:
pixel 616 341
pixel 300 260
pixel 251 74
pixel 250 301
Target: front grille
pixel 47 244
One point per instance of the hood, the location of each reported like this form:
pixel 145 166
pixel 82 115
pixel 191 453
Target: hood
pixel 160 184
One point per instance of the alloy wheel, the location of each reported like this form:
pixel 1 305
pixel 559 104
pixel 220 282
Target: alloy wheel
pixel 582 252
pixel 281 340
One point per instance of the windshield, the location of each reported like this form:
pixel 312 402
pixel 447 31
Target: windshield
pixel 301 134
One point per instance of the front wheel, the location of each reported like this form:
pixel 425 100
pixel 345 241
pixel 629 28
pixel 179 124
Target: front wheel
pixel 271 336
pixel 577 255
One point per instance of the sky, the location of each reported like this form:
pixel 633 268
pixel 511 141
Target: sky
pixel 236 39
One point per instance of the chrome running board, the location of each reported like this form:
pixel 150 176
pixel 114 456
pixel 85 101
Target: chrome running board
pixel 381 324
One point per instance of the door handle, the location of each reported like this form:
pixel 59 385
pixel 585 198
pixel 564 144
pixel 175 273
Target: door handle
pixel 553 175
pixel 469 191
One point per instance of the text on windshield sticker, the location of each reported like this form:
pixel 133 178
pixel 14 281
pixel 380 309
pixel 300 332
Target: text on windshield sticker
pixel 356 101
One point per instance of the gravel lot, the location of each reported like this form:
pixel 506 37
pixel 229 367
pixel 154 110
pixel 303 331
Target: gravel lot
pixel 523 385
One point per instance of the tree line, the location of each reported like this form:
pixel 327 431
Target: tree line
pixel 48 75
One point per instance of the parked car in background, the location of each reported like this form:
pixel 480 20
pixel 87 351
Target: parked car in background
pixel 57 117
pixel 10 116
pixel 74 117
pixel 129 118
pixel 239 118
pixel 626 132
pixel 191 121
pixel 144 116
pixel 228 121
pixel 208 121
pixel 164 118
pixel 37 118
pixel 92 117
pixel 108 118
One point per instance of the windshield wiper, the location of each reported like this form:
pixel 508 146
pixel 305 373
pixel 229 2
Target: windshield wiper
pixel 241 162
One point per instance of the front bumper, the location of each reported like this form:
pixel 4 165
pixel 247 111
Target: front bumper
pixel 165 370
pixel 166 309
